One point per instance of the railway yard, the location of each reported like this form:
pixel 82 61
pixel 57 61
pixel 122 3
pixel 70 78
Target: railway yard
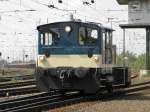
pixel 74 55
pixel 23 95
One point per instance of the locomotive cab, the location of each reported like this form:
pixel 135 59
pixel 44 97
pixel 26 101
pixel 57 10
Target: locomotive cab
pixel 76 56
pixel 70 40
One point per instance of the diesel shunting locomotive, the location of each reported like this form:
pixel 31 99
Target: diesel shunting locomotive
pixel 77 55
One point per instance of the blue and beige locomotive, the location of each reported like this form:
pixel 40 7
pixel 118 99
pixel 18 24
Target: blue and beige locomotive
pixel 77 56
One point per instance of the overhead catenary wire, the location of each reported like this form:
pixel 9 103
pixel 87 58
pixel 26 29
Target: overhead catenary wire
pixel 17 11
pixel 56 8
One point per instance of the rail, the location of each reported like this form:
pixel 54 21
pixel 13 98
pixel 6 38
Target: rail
pixel 17 84
pixel 18 91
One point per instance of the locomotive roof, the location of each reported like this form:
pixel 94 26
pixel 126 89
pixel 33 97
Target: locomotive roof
pixel 123 2
pixel 89 23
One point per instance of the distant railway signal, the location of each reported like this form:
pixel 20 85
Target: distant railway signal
pixel 26 55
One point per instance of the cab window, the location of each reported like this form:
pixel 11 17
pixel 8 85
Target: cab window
pixel 87 36
pixel 82 35
pixel 46 39
pixel 92 33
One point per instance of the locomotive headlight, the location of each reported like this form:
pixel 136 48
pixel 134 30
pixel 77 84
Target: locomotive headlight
pixel 41 58
pixel 96 58
pixel 68 29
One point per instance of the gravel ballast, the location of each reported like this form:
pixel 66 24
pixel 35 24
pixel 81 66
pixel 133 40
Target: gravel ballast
pixel 138 102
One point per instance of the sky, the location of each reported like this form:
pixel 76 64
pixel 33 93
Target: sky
pixel 19 19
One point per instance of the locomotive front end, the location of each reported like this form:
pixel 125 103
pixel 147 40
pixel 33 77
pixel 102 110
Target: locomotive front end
pixel 68 55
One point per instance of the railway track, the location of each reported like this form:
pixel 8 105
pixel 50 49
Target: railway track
pixel 138 88
pixel 18 91
pixel 46 101
pixel 19 88
pixel 10 105
pixel 20 77
pixel 140 84
pixel 17 84
pixel 3 79
pixel 39 102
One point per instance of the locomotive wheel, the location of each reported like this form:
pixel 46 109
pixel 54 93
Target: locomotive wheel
pixel 62 92
pixel 82 92
pixel 109 88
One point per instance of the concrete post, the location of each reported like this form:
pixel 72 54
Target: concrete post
pixel 148 48
pixel 124 49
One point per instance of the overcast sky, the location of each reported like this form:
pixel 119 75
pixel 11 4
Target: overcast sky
pixel 19 19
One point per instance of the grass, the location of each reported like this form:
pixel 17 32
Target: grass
pixel 14 80
pixel 18 71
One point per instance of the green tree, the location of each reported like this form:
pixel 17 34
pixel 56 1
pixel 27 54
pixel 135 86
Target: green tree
pixel 134 61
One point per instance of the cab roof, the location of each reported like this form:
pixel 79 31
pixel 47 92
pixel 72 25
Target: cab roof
pixel 123 2
pixel 88 23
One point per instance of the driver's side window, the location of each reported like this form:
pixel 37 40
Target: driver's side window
pixel 92 36
pixel 87 36
pixel 92 33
